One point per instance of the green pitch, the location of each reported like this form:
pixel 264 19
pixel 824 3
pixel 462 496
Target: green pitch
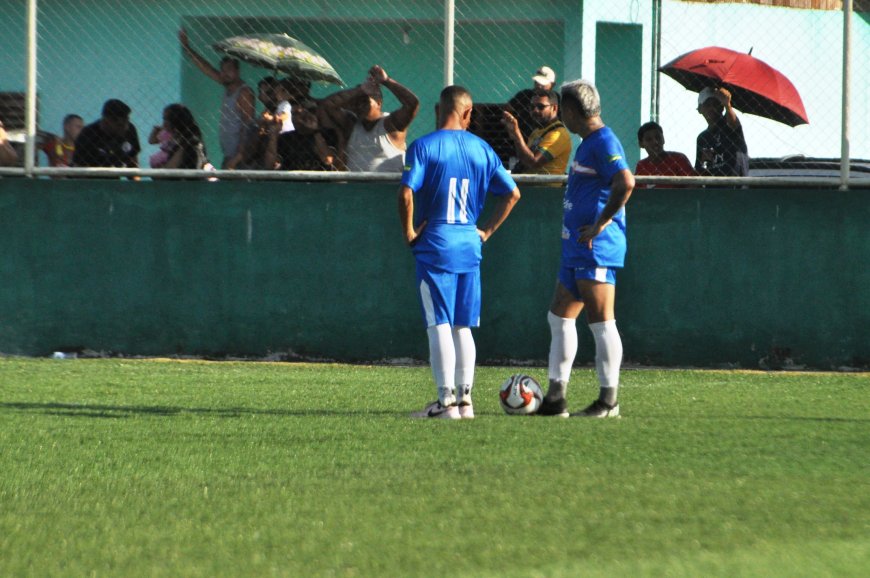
pixel 155 468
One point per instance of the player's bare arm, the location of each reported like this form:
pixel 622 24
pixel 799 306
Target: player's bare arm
pixel 620 190
pixel 499 213
pixel 406 215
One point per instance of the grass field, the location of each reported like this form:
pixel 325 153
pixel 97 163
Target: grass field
pixel 165 468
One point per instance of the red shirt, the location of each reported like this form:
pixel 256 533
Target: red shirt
pixel 59 154
pixel 673 165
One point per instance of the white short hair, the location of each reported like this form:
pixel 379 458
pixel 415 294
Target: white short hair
pixel 585 95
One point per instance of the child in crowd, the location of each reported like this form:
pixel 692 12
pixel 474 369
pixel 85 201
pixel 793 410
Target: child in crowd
pixel 60 149
pixel 160 136
pixel 284 110
pixel 659 162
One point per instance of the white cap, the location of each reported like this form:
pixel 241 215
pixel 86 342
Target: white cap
pixel 544 75
pixel 706 94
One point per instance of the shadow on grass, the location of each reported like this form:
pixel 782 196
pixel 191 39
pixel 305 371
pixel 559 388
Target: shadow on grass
pixel 121 411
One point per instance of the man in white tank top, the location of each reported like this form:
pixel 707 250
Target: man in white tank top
pixel 374 140
pixel 237 108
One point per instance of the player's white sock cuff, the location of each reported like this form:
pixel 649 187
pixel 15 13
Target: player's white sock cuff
pixel 563 346
pixel 608 352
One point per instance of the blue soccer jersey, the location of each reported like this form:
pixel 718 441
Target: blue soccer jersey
pixel 451 172
pixel 598 159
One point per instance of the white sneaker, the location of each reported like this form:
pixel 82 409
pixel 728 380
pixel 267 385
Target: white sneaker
pixel 438 411
pixel 466 410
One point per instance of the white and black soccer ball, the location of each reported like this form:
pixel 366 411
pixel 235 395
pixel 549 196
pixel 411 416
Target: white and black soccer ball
pixel 520 395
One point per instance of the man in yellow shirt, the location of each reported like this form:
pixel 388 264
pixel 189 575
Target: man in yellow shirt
pixel 549 146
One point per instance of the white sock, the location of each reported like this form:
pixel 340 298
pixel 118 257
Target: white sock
pixel 466 353
pixel 608 357
pixel 442 358
pixel 563 347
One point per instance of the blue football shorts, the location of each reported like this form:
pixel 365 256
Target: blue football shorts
pixel 568 276
pixel 452 298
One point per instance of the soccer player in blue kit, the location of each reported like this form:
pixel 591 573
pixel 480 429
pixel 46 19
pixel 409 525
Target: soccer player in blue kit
pixel 447 176
pixel 593 247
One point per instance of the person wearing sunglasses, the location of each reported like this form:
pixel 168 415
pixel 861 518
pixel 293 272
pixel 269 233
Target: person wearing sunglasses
pixel 548 147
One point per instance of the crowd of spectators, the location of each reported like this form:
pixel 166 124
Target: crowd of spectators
pixel 349 130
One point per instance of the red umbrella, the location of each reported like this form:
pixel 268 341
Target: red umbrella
pixel 756 88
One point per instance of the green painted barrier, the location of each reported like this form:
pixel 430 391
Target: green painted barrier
pixel 713 277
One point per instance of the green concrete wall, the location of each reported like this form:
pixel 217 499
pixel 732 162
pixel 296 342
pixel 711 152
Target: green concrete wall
pixel 713 277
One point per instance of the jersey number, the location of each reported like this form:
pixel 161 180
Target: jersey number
pixel 461 199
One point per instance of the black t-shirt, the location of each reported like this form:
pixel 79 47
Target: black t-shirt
pixel 95 148
pixel 297 152
pixel 730 154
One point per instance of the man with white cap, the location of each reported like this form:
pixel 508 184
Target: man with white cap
pixel 721 148
pixel 544 78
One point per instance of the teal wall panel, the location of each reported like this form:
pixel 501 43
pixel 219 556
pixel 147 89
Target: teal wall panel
pixel 712 278
pixel 619 79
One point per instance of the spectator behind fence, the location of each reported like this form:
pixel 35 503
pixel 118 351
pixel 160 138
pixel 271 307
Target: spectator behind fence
pixel 309 147
pixel 544 79
pixel 285 99
pixel 111 141
pixel 549 144
pixel 659 162
pixel 160 136
pixel 8 154
pixel 266 95
pixel 252 151
pixel 60 149
pixel 237 109
pixel 721 148
pixel 375 140
pixel 187 150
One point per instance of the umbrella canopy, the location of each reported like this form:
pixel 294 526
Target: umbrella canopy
pixel 280 52
pixel 756 88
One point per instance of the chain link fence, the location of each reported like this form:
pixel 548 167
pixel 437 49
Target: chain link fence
pixel 87 53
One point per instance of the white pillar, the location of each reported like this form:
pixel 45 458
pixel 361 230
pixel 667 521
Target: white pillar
pixel 449 37
pixel 30 112
pixel 847 84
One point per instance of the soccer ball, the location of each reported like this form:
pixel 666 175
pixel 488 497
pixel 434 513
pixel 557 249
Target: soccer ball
pixel 520 395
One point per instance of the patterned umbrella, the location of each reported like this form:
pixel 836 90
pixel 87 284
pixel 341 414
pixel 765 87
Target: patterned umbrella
pixel 280 52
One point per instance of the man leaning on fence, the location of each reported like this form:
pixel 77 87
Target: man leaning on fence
pixel 237 109
pixel 375 141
